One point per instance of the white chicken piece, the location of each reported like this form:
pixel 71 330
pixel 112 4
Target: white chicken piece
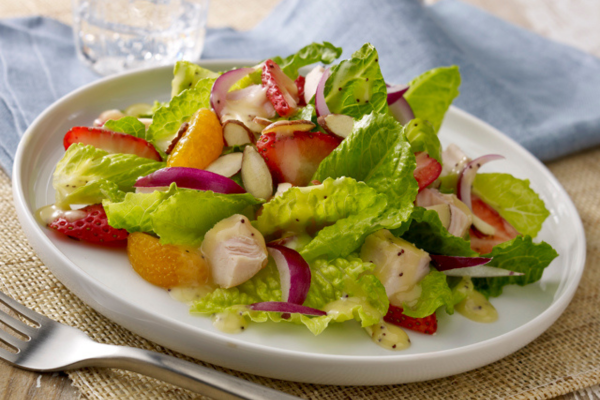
pixel 453 160
pixel 454 214
pixel 399 265
pixel 246 104
pixel 235 251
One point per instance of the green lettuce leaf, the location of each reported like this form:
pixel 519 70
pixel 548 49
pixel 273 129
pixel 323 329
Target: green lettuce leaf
pixel 425 230
pixel 345 207
pixel 331 281
pixel 128 125
pixel 87 175
pixel 422 137
pixel 313 53
pixel 431 93
pixel 168 119
pixel 377 153
pixel 519 255
pixel 363 88
pixel 187 74
pixel 435 293
pixel 514 200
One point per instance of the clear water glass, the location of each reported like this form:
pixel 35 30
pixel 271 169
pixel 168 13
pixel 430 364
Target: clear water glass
pixel 115 35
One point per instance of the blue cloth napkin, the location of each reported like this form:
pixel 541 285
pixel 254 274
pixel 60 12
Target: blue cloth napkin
pixel 541 93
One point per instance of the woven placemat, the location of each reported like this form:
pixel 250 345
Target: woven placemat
pixel 564 359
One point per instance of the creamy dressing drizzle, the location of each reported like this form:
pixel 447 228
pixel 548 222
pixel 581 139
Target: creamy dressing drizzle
pixel 189 294
pixel 475 306
pixel 388 336
pixel 49 213
pixel 230 322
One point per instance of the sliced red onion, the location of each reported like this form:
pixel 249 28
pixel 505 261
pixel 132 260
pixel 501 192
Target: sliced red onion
pixel 294 273
pixel 481 271
pixel 467 176
pixel 190 178
pixel 218 95
pixel 400 109
pixel 320 104
pixel 283 307
pixel 443 263
pixel 396 92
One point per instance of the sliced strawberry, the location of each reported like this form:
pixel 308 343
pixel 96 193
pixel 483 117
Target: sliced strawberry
pixel 427 170
pixel 481 243
pixel 282 92
pixel 111 142
pixel 426 325
pixel 93 227
pixel 300 82
pixel 295 158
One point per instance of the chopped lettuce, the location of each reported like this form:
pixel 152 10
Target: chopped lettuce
pixel 128 125
pixel 356 86
pixel 331 281
pixel 519 255
pixel 422 137
pixel 425 230
pixel 377 153
pixel 514 200
pixel 346 208
pixel 435 293
pixel 324 52
pixel 168 119
pixel 431 93
pixel 187 74
pixel 87 175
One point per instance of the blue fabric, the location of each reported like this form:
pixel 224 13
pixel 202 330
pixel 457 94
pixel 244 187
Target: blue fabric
pixel 541 93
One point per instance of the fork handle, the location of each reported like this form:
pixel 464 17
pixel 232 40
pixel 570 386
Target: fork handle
pixel 194 377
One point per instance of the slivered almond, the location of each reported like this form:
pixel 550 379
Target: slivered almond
pixel 236 133
pixel 289 127
pixel 337 124
pixel 227 165
pixel 256 175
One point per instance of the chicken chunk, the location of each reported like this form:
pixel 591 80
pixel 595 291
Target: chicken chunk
pixel 460 217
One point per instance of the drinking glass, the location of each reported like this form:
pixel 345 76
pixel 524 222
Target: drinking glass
pixel 114 35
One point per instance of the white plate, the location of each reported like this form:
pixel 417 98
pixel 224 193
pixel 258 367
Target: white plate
pixel 343 354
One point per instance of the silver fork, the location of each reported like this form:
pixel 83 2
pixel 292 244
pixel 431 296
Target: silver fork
pixel 52 346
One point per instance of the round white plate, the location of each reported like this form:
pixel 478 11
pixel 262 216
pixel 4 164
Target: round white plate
pixel 343 354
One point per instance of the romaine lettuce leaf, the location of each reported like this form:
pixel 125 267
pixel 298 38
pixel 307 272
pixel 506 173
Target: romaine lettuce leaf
pixel 356 86
pixel 345 207
pixel 425 230
pixel 87 175
pixel 519 255
pixel 128 125
pixel 377 153
pixel 422 137
pixel 435 293
pixel 331 281
pixel 431 93
pixel 514 200
pixel 187 74
pixel 168 119
pixel 313 53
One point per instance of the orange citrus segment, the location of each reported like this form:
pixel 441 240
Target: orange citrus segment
pixel 165 265
pixel 202 143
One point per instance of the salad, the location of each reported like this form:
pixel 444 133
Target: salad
pixel 260 194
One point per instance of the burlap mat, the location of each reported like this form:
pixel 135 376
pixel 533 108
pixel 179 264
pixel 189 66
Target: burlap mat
pixel 564 359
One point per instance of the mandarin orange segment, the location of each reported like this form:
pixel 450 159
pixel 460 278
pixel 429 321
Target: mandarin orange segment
pixel 202 143
pixel 166 265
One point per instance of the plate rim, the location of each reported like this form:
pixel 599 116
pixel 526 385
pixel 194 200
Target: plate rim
pixel 27 219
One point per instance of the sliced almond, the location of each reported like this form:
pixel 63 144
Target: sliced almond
pixel 282 188
pixel 227 165
pixel 337 124
pixel 289 127
pixel 256 175
pixel 236 133
pixel 311 82
pixel 182 130
pixel 262 121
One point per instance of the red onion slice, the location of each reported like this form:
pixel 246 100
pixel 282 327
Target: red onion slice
pixel 443 263
pixel 396 92
pixel 400 109
pixel 218 94
pixel 481 271
pixel 320 104
pixel 294 273
pixel 280 306
pixel 189 178
pixel 467 176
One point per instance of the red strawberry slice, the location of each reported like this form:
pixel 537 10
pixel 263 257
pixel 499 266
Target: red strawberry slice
pixel 92 227
pixel 481 243
pixel 427 170
pixel 295 158
pixel 111 142
pixel 282 92
pixel 300 82
pixel 426 325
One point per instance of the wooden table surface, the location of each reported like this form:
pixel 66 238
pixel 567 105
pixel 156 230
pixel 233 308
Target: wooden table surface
pixel 574 22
